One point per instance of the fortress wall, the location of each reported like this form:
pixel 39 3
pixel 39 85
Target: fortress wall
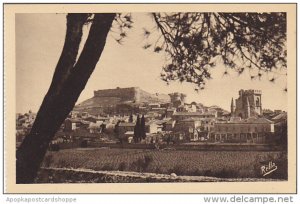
pixel 125 94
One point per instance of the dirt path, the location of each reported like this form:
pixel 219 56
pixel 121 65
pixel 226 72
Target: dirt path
pixel 67 175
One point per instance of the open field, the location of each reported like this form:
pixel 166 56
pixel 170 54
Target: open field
pixel 222 164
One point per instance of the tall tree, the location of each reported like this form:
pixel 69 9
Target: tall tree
pixel 117 132
pixel 70 78
pixel 137 129
pixel 143 127
pixel 193 43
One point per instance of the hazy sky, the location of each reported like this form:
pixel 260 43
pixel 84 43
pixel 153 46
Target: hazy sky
pixel 39 41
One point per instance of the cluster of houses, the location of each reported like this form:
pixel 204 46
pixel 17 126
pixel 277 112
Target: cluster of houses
pixel 24 123
pixel 178 122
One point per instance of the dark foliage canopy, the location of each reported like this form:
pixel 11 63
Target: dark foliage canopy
pixel 196 42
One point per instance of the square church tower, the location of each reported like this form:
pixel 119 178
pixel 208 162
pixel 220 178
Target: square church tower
pixel 248 104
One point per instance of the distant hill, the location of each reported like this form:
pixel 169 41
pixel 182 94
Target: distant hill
pixel 119 99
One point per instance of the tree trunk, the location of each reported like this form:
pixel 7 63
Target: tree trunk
pixel 68 82
pixel 68 56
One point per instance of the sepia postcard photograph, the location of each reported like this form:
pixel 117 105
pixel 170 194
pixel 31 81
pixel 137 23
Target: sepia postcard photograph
pixel 150 98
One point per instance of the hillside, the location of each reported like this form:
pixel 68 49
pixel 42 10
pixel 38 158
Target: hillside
pixel 153 98
pixel 110 100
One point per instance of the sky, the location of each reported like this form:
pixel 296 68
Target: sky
pixel 39 42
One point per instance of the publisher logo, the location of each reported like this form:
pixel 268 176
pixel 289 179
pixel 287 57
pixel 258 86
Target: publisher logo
pixel 267 169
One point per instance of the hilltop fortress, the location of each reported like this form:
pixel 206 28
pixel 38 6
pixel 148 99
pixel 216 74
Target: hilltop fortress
pixel 110 100
pixel 123 94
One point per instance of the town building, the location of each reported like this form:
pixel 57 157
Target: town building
pixel 154 105
pixel 153 127
pixel 124 127
pixel 169 112
pixel 280 122
pixel 97 127
pixel 25 120
pixel 251 130
pixel 197 115
pixel 71 124
pixel 169 125
pixel 188 127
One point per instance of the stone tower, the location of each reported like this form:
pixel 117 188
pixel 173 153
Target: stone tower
pixel 248 104
pixel 177 99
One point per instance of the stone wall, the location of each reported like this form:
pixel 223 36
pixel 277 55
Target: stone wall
pixel 125 94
